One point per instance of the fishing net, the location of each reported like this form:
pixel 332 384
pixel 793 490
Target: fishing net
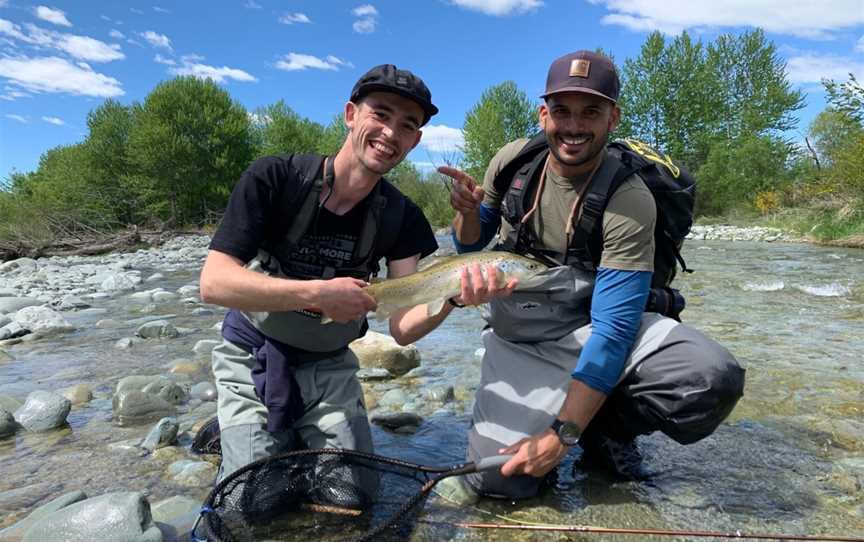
pixel 325 495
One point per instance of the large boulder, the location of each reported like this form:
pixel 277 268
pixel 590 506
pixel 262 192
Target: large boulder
pixel 11 305
pixel 19 267
pixel 376 350
pixel 119 517
pixel 43 411
pixel 135 406
pixel 42 319
pixel 16 532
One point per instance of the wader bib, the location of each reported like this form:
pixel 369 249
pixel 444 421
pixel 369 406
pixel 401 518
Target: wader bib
pixel 675 380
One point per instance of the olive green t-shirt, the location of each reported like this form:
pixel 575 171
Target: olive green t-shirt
pixel 628 222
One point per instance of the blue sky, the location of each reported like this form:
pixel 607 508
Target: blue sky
pixel 60 59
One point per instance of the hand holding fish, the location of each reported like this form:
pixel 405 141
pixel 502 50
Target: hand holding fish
pixel 466 194
pixel 480 285
pixel 343 299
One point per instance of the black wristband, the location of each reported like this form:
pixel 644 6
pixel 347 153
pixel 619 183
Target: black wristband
pixel 453 303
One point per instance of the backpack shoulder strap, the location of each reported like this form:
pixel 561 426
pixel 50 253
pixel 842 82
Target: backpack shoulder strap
pixel 586 245
pixel 526 154
pixel 304 209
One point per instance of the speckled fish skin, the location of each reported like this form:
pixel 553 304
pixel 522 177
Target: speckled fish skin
pixel 441 280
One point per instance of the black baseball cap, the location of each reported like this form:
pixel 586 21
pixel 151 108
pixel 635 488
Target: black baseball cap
pixel 583 71
pixel 389 78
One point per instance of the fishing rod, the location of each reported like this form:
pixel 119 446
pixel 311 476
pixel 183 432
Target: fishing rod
pixel 657 532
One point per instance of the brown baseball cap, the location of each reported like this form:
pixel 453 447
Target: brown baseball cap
pixel 389 78
pixel 583 71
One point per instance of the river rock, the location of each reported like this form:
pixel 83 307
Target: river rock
pixel 375 373
pixel 185 367
pixel 376 350
pixel 118 517
pixel 42 411
pixel 16 532
pixel 179 505
pixel 79 394
pixel 13 330
pixel 11 305
pixel 9 403
pixel 21 266
pixel 5 319
pixel 160 329
pixel 204 391
pixel 169 391
pixel 70 303
pixel 139 382
pixel 8 425
pixel 192 473
pixel 155 277
pixel 188 290
pixel 394 398
pixel 24 496
pixel 118 282
pixel 135 406
pixel 42 319
pixel 126 343
pixel 164 433
pixel 395 420
pixel 164 297
pixel 205 346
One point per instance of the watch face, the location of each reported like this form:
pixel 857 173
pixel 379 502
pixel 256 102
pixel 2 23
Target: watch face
pixel 569 433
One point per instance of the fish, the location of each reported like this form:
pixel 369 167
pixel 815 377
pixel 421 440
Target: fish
pixel 435 284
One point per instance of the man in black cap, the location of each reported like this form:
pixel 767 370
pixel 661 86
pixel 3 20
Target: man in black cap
pixel 300 238
pixel 578 360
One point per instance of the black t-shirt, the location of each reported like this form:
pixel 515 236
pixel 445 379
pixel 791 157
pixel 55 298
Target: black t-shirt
pixel 256 214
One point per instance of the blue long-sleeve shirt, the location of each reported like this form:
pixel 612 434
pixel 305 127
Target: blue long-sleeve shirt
pixel 617 304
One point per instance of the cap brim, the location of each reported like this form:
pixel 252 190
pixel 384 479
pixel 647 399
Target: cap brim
pixel 582 90
pixel 429 110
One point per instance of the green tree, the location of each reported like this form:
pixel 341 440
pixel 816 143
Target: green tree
pixel 189 144
pixel 333 136
pixel 831 130
pixel 644 91
pixel 106 152
pixel 846 97
pixel 503 114
pixel 281 130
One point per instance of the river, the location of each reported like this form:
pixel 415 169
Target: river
pixel 789 460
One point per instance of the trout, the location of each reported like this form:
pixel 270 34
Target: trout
pixel 435 284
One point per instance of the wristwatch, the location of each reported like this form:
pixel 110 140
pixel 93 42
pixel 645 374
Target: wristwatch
pixel 568 432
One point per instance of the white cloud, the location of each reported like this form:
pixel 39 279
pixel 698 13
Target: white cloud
pixel 299 61
pixel 90 49
pixel 158 9
pixel 859 47
pixel 80 47
pixel 162 60
pixel 812 68
pixel 366 10
pixel 54 120
pixel 54 16
pixel 802 18
pixel 11 94
pixel 116 34
pixel 53 74
pixel 499 7
pixel 136 11
pixel 4 3
pixel 19 118
pixel 364 26
pixel 157 40
pixel 291 18
pixel 251 4
pixel 441 138
pixel 368 19
pixel 189 66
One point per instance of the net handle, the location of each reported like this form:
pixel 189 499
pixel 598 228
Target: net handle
pixel 492 462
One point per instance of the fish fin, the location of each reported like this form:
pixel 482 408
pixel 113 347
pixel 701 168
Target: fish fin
pixel 434 307
pixel 325 319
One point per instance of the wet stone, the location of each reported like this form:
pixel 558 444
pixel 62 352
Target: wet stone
pixel 43 411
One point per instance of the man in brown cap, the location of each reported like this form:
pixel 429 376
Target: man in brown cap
pixel 580 360
pixel 300 238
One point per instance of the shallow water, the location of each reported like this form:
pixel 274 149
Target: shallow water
pixel 789 460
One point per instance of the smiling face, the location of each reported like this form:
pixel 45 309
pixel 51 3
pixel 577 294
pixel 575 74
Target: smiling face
pixel 384 127
pixel 577 127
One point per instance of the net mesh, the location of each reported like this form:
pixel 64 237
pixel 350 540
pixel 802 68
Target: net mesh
pixel 325 495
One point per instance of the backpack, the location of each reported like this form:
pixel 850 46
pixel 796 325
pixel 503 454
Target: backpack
pixel 379 231
pixel 673 188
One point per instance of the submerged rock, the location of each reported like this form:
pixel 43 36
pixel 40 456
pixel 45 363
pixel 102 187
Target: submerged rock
pixel 43 411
